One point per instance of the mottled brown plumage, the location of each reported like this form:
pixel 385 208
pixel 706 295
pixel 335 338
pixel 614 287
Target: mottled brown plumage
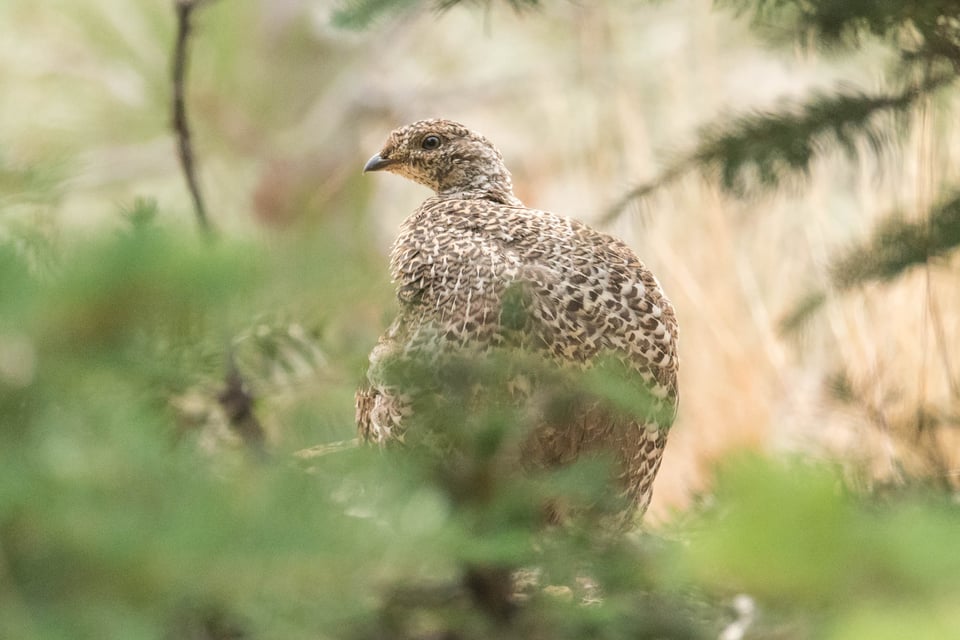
pixel 586 296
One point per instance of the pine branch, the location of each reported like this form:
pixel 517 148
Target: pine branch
pixel 516 5
pixel 181 124
pixel 842 23
pixel 757 151
pixel 794 320
pixel 943 44
pixel 360 14
pixel 769 146
pixel 898 244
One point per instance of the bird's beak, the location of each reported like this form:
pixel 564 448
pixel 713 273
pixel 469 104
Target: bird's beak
pixel 376 163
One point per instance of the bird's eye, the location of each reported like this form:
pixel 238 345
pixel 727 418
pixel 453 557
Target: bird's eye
pixel 430 143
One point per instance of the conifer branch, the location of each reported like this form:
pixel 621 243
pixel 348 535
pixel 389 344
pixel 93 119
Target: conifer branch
pixel 898 244
pixel 842 23
pixel 756 151
pixel 360 14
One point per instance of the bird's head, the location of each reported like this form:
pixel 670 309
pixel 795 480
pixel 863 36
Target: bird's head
pixel 447 157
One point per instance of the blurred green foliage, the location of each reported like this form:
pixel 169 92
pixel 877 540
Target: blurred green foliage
pixel 117 519
pixel 359 14
pixel 128 511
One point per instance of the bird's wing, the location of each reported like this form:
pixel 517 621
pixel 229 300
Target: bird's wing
pixel 457 265
pixel 477 274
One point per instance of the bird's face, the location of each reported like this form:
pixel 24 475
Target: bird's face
pixel 443 155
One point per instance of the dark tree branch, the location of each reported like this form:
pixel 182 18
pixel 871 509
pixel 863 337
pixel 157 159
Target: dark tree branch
pixel 181 126
pixel 235 398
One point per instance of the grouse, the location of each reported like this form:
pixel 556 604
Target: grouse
pixel 586 297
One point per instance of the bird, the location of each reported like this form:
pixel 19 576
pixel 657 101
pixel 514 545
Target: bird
pixel 587 299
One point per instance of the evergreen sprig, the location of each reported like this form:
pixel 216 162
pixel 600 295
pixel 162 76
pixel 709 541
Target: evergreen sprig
pixel 844 23
pixel 758 151
pixel 898 244
pixel 361 14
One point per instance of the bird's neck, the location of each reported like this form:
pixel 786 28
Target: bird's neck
pixel 496 187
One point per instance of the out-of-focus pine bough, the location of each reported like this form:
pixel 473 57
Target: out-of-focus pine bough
pixel 897 244
pixel 753 152
pixel 359 14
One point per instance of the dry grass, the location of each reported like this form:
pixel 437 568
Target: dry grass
pixel 585 99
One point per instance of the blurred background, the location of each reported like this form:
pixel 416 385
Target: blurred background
pixel 585 101
pixel 116 344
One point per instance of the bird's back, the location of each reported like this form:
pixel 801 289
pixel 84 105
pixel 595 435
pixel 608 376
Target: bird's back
pixel 477 275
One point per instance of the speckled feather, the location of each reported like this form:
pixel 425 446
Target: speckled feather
pixel 586 294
